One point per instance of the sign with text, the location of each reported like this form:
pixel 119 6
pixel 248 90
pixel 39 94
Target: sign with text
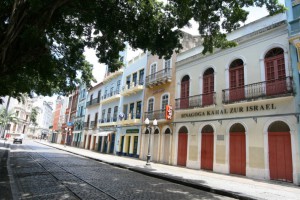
pixel 169 112
pixel 132 131
pixel 233 110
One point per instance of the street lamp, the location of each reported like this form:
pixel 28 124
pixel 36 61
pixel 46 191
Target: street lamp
pixel 148 127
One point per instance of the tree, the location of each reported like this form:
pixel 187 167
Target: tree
pixel 33 117
pixel 5 119
pixel 42 41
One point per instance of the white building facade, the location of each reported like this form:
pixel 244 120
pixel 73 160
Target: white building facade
pixel 235 108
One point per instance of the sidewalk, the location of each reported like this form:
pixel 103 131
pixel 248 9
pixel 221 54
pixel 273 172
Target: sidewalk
pixel 228 185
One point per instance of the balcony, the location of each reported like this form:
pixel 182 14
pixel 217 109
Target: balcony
pixel 197 101
pixel 93 124
pixel 86 125
pixel 295 27
pixel 132 88
pixel 93 102
pixel 110 97
pixel 262 90
pixel 79 116
pixel 159 78
pixel 108 121
pixel 130 119
pixel 110 76
pixel 156 114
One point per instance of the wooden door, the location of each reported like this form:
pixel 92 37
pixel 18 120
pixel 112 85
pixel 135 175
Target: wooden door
pixel 100 143
pixel 135 145
pixel 122 144
pixel 94 143
pixel 112 143
pixel 184 94
pixel 275 75
pixel 182 149
pixel 207 151
pixel 237 91
pixel 208 90
pixel 84 140
pixel 128 145
pixel 89 141
pixel 237 154
pixel 280 156
pixel 105 144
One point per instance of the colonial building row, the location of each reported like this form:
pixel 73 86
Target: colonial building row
pixel 235 111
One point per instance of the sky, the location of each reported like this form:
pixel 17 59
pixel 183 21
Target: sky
pixel 99 69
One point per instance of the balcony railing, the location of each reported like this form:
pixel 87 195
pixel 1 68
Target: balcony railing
pixel 132 88
pixel 110 94
pixel 159 77
pixel 156 114
pixel 93 102
pixel 201 100
pixel 266 89
pixel 295 26
pixel 86 125
pixel 93 124
pixel 108 120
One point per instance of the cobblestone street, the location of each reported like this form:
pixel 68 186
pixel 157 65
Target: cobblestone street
pixel 42 172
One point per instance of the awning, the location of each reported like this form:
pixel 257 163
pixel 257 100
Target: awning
pixel 104 133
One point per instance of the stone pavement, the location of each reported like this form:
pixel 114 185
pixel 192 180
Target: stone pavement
pixel 228 185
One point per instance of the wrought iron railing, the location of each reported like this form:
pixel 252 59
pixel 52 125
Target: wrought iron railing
pixel 131 116
pixel 93 102
pixel 108 120
pixel 266 89
pixel 86 125
pixel 93 124
pixel 200 100
pixel 132 85
pixel 110 94
pixel 158 76
pixel 156 114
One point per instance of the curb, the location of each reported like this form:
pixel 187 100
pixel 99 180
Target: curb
pixel 181 181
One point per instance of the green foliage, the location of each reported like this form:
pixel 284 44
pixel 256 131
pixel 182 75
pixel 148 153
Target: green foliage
pixel 33 115
pixel 8 117
pixel 42 41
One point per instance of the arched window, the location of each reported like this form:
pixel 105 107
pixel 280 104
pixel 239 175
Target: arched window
pixel 150 105
pixel 183 130
pixel 207 129
pixel 236 80
pixel 237 128
pixel 164 101
pixel 184 92
pixel 208 87
pixel 153 69
pixel 167 131
pixel 275 71
pixel 278 126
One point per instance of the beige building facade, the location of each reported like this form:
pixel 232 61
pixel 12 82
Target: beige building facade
pixel 160 85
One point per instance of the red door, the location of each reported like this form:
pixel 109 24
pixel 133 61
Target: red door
pixel 237 154
pixel 280 156
pixel 208 90
pixel 207 151
pixel 275 75
pixel 237 91
pixel 182 149
pixel 184 95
